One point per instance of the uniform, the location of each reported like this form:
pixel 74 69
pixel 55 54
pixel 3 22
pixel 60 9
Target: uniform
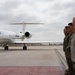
pixel 72 42
pixel 66 48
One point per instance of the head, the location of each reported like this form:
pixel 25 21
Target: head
pixel 66 30
pixel 74 22
pixel 71 28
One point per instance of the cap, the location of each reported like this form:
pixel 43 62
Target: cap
pixel 70 24
pixel 66 27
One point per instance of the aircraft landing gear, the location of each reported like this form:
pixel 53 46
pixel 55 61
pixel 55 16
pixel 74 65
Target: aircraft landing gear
pixel 5 47
pixel 24 47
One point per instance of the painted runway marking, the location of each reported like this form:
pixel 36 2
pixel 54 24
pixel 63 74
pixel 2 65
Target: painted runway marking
pixel 36 70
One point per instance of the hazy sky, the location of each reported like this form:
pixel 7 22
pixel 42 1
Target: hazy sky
pixel 56 14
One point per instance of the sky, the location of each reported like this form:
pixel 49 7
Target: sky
pixel 55 14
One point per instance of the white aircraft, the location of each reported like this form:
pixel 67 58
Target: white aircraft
pixel 9 37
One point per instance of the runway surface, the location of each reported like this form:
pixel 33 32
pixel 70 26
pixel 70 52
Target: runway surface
pixel 37 60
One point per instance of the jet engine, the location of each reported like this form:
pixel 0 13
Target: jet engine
pixel 27 35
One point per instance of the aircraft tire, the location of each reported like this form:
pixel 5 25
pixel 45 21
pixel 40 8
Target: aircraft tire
pixel 6 47
pixel 24 47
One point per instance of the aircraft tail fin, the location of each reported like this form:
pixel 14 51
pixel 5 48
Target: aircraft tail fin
pixel 24 25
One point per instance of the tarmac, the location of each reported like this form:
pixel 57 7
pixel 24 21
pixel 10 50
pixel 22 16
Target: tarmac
pixel 37 60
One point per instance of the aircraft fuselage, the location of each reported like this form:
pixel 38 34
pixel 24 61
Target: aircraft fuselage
pixel 9 36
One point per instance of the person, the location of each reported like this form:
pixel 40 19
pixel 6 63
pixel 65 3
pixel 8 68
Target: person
pixel 67 51
pixel 72 41
pixel 66 32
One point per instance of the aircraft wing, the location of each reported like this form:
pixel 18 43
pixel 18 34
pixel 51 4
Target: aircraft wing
pixel 30 42
pixel 37 42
